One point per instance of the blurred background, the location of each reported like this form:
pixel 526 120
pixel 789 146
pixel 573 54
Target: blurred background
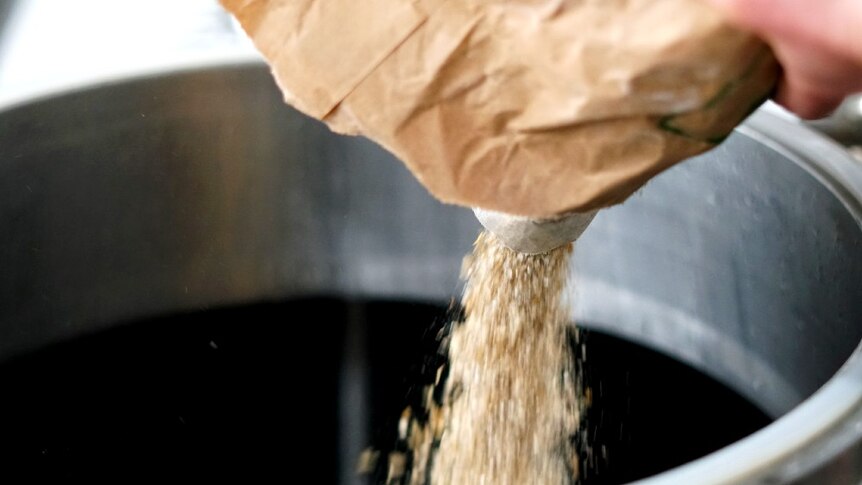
pixel 46 45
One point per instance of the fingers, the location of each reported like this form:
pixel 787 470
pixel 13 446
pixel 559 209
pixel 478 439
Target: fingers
pixel 817 42
pixel 806 102
pixel 815 80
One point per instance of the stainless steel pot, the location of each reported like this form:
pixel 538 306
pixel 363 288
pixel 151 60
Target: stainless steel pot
pixel 191 187
pixel 196 189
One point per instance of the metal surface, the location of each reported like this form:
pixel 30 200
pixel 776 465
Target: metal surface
pixel 845 125
pixel 5 9
pixel 199 189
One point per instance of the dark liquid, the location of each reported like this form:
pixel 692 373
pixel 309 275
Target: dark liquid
pixel 263 392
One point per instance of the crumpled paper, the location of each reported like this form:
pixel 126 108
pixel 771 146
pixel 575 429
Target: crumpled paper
pixel 528 107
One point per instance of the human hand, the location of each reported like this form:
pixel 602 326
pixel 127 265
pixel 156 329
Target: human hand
pixel 817 42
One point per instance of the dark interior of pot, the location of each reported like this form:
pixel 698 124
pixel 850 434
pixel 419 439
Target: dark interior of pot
pixel 196 281
pixel 262 391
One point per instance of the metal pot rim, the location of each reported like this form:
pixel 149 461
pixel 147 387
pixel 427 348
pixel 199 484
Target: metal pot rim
pixel 823 426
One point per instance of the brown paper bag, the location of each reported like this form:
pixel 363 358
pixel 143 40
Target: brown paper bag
pixel 530 107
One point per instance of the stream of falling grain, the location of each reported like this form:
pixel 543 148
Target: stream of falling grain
pixel 509 409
